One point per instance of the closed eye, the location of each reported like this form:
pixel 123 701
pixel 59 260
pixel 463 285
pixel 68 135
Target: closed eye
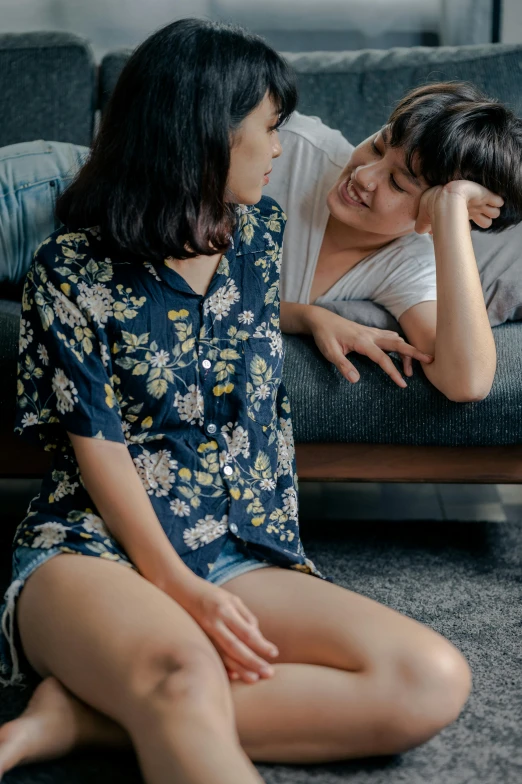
pixel 393 181
pixel 395 185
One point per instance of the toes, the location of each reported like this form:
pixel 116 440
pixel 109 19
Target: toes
pixel 13 745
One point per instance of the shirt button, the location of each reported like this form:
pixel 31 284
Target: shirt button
pixel 234 528
pixel 211 429
pixel 228 470
pixel 206 364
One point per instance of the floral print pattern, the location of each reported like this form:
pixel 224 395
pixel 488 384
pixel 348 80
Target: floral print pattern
pixel 126 351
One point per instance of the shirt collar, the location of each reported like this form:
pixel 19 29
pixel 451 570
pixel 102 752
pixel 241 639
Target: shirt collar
pixel 248 236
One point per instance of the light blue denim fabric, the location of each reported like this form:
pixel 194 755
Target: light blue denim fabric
pixel 232 562
pixel 32 176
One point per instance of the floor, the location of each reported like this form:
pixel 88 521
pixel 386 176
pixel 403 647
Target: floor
pixel 461 579
pixel 390 501
pixel 448 556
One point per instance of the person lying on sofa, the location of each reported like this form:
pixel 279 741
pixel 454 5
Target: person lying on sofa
pixel 353 214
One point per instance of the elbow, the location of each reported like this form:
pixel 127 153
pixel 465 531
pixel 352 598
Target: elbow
pixel 468 384
pixel 469 393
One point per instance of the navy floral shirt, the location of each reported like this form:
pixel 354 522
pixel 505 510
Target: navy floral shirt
pixel 128 352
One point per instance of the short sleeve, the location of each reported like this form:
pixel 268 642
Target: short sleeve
pixel 409 279
pixel 64 370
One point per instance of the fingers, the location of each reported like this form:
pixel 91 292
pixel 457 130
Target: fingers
pixel 495 200
pixel 384 361
pixel 372 348
pixel 249 633
pixel 335 355
pixel 423 225
pixel 407 366
pixel 243 653
pixel 401 347
pixel 491 212
pixel 238 672
pixel 483 221
pixel 246 613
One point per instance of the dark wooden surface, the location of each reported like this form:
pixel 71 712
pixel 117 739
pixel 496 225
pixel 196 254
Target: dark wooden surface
pixel 346 462
pixel 390 463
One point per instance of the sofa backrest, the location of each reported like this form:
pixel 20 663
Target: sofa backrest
pixel 47 88
pixel 356 91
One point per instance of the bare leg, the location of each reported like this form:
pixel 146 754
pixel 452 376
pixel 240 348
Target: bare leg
pixel 356 677
pixel 152 670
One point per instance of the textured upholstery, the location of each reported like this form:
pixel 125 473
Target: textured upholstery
pixel 355 91
pixel 47 88
pixel 326 407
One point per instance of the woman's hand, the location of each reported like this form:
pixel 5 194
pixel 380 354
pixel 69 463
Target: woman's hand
pixel 336 336
pixel 232 628
pixel 482 205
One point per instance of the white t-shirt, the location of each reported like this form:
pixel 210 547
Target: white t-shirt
pixel 398 276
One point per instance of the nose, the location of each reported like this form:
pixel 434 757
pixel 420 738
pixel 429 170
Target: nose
pixel 366 176
pixel 276 146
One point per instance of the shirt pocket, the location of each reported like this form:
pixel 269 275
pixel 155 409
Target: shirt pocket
pixel 263 375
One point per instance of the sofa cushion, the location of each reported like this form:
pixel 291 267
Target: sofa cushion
pixel 326 407
pixel 47 88
pixel 356 91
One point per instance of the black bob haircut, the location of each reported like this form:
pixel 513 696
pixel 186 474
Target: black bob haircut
pixel 450 131
pixel 156 176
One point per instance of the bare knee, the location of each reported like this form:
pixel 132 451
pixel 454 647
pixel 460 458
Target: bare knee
pixel 431 689
pixel 188 680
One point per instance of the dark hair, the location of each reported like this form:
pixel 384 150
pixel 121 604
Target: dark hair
pixel 450 130
pixel 156 176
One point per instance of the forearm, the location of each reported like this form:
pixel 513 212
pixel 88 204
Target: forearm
pixel 295 319
pixel 465 355
pixel 113 484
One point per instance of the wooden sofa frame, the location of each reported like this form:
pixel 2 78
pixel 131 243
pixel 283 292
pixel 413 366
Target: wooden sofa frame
pixel 337 462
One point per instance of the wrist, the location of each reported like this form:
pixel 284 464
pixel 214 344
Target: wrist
pixel 310 317
pixel 449 206
pixel 178 582
pixel 451 198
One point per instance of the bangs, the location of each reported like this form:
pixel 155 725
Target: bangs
pixel 272 75
pixel 442 143
pixel 281 87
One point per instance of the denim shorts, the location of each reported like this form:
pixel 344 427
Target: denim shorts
pixel 231 562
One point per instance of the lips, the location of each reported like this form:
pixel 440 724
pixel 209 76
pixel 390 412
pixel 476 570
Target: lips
pixel 353 193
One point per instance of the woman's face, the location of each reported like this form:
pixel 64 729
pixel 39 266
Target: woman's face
pixel 376 192
pixel 255 144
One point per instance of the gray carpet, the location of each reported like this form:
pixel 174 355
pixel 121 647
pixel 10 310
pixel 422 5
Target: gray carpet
pixel 464 580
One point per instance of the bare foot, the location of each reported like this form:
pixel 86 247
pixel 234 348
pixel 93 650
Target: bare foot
pixel 55 723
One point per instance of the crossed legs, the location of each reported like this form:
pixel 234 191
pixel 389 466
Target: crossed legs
pixel 354 678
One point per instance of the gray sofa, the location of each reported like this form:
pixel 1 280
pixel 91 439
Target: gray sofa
pixel 51 88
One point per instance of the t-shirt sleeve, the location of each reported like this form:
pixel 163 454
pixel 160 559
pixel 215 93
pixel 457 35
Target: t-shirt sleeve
pixel 407 280
pixel 64 370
